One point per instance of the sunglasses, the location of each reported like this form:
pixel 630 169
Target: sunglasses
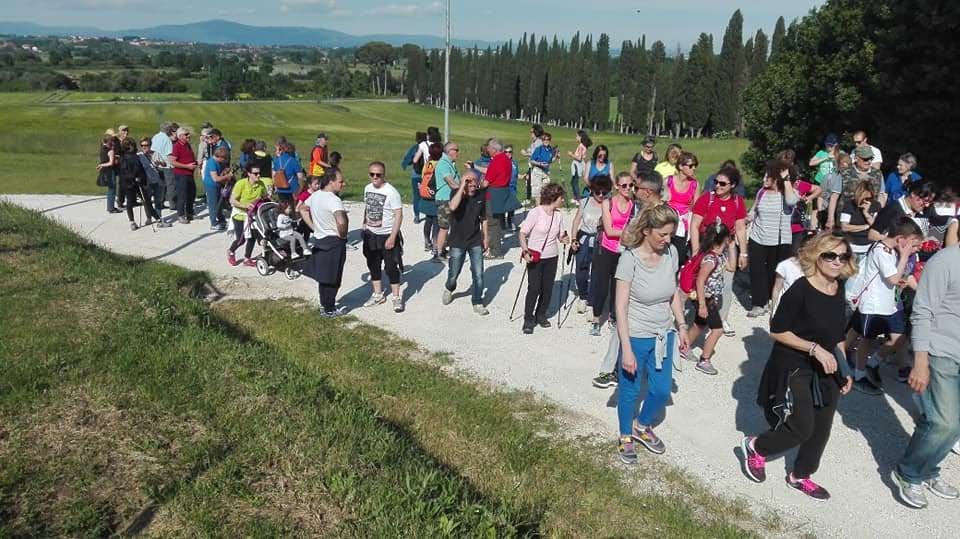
pixel 648 148
pixel 600 193
pixel 690 165
pixel 252 173
pixel 722 184
pixel 625 186
pixel 376 174
pixel 144 145
pixel 831 256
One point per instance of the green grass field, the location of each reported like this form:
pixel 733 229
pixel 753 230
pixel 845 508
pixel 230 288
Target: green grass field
pixel 51 145
pixel 128 405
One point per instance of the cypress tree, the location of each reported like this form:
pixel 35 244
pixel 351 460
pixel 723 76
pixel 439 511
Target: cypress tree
pixel 779 34
pixel 729 81
pixel 600 111
pixel 700 85
pixel 758 60
pixel 627 87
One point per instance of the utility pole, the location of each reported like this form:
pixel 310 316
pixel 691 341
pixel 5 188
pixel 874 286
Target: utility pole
pixel 446 76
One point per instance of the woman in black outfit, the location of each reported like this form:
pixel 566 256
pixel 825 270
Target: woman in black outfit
pixel 132 181
pixel 801 383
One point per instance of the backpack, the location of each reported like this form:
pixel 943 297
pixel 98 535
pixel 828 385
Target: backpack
pixel 688 275
pixel 428 183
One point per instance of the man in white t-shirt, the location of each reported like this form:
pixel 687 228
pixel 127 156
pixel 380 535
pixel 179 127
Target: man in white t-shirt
pixel 874 294
pixel 382 242
pixel 324 213
pixel 860 139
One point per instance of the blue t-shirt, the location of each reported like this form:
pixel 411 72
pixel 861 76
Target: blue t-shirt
pixel 212 166
pixel 291 166
pixel 895 187
pixel 445 168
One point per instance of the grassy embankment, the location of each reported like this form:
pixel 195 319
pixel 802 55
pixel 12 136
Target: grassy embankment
pixel 51 146
pixel 127 404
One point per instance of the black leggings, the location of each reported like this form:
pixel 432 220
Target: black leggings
pixel 807 427
pixel 130 191
pixel 682 246
pixel 540 278
pixel 238 230
pixel 763 269
pixel 602 270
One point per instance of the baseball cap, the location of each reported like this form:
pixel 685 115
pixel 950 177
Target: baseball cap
pixel 863 152
pixel 830 140
pixel 122 128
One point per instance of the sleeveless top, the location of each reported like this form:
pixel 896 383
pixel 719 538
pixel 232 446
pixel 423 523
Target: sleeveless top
pixel 682 202
pixel 618 220
pixel 594 171
pixel 591 213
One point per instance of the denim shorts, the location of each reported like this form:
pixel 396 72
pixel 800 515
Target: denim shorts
pixel 872 326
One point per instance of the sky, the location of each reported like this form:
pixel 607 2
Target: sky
pixel 675 22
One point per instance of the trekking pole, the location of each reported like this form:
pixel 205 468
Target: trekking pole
pixel 519 288
pixel 563 281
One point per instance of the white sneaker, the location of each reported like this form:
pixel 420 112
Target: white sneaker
pixel 397 304
pixel 581 306
pixel 956 448
pixel 447 297
pixel 480 309
pixel 375 299
pixel 728 329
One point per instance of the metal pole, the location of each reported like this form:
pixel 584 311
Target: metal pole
pixel 446 77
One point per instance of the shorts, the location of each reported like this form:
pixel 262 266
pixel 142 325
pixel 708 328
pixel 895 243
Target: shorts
pixel 871 326
pixel 712 320
pixel 443 214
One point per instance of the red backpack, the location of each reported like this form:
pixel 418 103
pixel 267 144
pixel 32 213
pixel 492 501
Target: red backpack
pixel 688 275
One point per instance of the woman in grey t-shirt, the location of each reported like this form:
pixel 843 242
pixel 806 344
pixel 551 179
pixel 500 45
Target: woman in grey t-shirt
pixel 649 306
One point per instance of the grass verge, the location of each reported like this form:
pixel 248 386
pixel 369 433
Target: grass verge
pixel 127 405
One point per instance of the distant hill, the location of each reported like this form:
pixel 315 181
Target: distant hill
pixel 223 32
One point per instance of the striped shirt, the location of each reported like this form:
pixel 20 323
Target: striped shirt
pixel 771 219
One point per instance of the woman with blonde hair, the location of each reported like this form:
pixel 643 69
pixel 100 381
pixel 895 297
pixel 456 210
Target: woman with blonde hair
pixel 807 372
pixel 650 326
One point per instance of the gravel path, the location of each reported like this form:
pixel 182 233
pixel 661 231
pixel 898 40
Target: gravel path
pixel 703 424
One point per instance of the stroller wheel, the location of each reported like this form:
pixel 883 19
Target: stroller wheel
pixel 292 273
pixel 263 268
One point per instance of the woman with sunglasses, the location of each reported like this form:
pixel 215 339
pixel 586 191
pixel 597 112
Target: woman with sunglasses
pixel 154 178
pixel 586 222
pixel 600 165
pixel 806 373
pixel 245 192
pixel 682 190
pixel 617 211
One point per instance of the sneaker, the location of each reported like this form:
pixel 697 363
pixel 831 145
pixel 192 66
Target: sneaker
pixel 942 489
pixel 149 221
pixel 756 312
pixel 114 210
pixel 956 448
pixel 646 437
pixel 436 259
pixel 133 226
pixel 865 386
pixel 527 330
pixel 595 329
pixel 808 487
pixel 397 304
pixel 581 306
pixel 480 309
pixel 163 224
pixel 754 464
pixel 910 493
pixel 544 323
pixel 428 248
pixel 231 259
pixel 606 380
pixel 706 367
pixel 339 311
pixel 447 297
pixel 250 263
pixel 490 256
pixel 183 220
pixel 903 374
pixel 728 330
pixel 627 450
pixel 375 299
pixel 215 228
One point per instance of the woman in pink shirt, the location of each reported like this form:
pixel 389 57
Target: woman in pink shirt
pixel 540 237
pixel 578 163
pixel 682 190
pixel 616 213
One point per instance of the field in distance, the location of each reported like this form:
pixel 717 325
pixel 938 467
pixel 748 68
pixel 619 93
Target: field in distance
pixel 51 144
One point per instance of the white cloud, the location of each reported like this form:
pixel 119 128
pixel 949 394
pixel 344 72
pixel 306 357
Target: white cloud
pixel 406 10
pixel 81 5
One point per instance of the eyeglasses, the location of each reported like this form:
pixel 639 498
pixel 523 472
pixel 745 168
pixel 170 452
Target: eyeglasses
pixel 376 174
pixel 831 256
pixel 144 145
pixel 690 165
pixel 252 173
pixel 625 186
pixel 722 184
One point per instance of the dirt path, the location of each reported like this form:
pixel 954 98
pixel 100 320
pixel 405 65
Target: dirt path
pixel 703 424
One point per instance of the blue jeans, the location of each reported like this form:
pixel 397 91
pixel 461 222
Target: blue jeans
pixel 939 426
pixel 583 259
pixel 213 204
pixel 455 260
pixel 415 183
pixel 156 193
pixel 111 190
pixel 659 383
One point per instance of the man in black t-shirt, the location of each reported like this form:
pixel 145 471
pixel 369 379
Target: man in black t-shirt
pixel 916 204
pixel 468 236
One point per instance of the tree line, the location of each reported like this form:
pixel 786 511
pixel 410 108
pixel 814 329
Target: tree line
pixel 698 93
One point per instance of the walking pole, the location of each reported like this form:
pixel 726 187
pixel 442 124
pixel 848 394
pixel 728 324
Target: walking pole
pixel 519 288
pixel 563 280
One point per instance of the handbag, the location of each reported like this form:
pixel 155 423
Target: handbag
pixel 102 180
pixel 536 255
pixel 280 180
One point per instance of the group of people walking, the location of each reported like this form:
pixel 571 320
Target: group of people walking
pixel 838 262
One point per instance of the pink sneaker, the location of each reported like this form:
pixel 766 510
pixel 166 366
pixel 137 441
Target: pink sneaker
pixel 250 263
pixel 754 464
pixel 808 487
pixel 231 258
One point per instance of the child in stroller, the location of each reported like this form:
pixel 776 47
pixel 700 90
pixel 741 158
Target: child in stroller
pixel 286 230
pixel 278 253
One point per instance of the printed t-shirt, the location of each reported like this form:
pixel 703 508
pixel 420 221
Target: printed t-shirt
pixel 322 206
pixel 183 153
pixel 379 206
pixel 541 235
pixel 713 209
pixel 853 215
pixel 825 168
pixel 245 193
pixel 465 222
pixel 651 291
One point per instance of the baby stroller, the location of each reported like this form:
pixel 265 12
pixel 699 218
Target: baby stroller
pixel 275 254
